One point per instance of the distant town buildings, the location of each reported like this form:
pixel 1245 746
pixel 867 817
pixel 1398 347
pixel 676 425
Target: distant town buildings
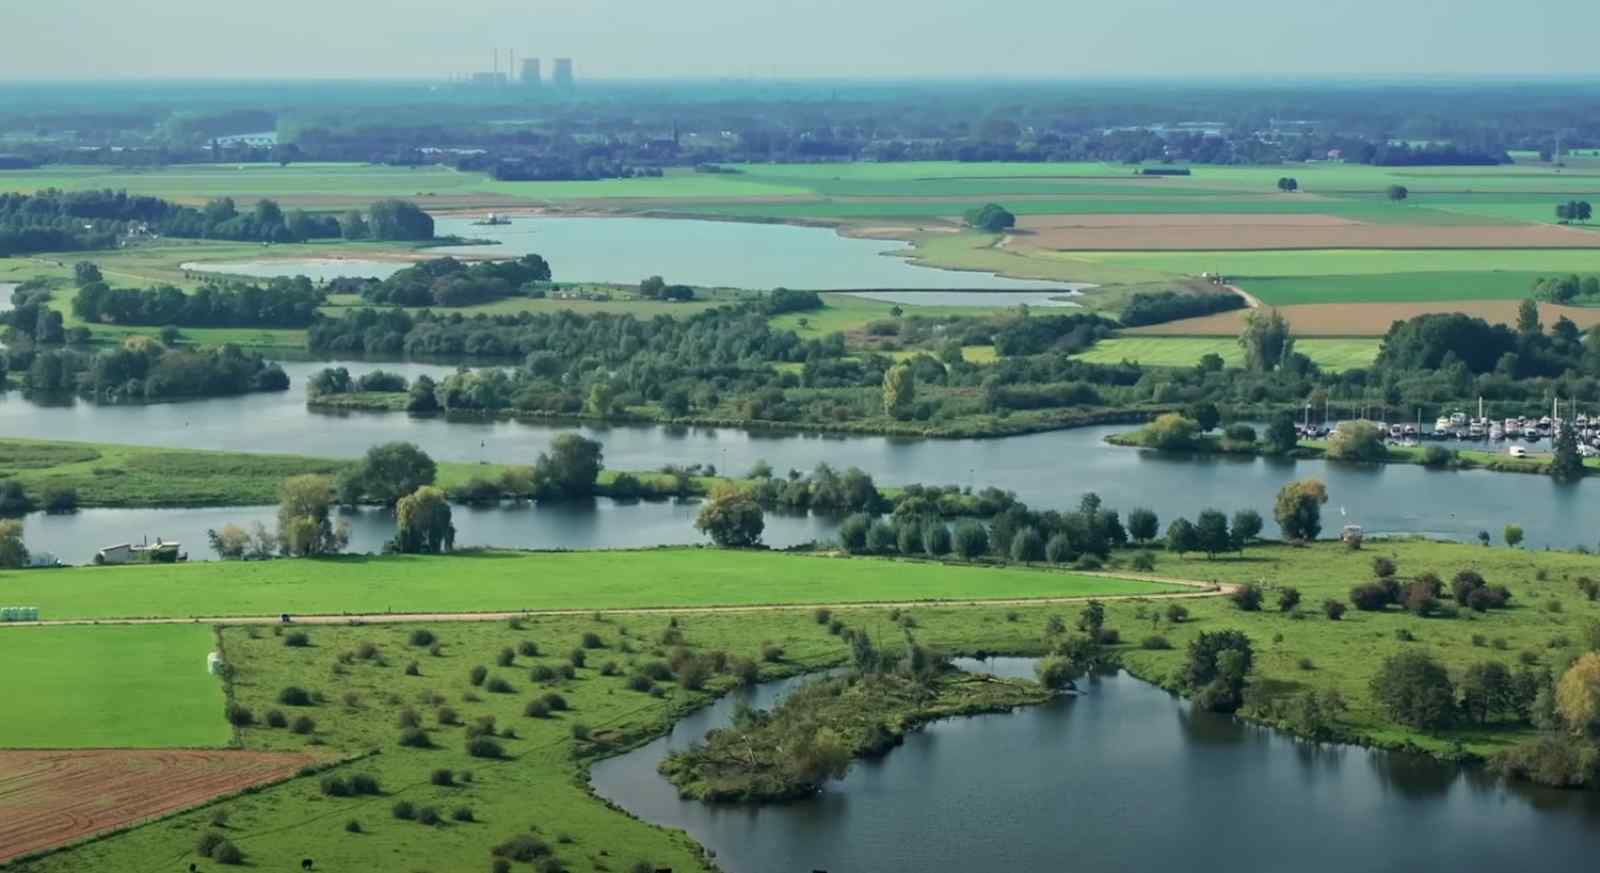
pixel 563 74
pixel 530 73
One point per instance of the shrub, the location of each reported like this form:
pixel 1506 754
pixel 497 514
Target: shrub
pixel 297 639
pixel 364 784
pixel 478 674
pixel 1177 613
pixel 303 725
pixel 821 615
pixel 541 673
pixel 484 747
pixel 428 815
pixel 506 658
pixel 463 814
pixel 1155 643
pixel 1144 562
pixel 591 640
pixel 1247 597
pixel 1369 597
pixel 415 738
pixel 1288 599
pixel 501 865
pixel 610 668
pixel 294 695
pixel 522 847
pixel 1383 568
pixel 1333 609
pixel 1404 636
pixel 352 827
pixel 499 686
pixel 413 669
pixel 227 853
pixel 567 671
pixel 536 708
pixel 528 649
pixel 240 716
pixel 556 702
pixel 366 651
pixel 641 683
pixel 208 843
pixel 447 716
pixel 422 637
pixel 771 652
pixel 745 670
pixel 404 810
pixel 577 658
pixel 436 650
pixel 443 776
pixel 580 731
pixel 1415 690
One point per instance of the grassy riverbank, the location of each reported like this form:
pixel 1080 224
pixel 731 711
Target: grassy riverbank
pixel 111 475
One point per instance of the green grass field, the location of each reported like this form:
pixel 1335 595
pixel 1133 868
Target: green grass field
pixel 1330 354
pixel 509 581
pixel 848 312
pixel 1393 287
pixel 92 687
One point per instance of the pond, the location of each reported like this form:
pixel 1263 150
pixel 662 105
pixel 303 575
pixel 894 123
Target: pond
pixel 601 523
pixel 705 253
pixel 1123 777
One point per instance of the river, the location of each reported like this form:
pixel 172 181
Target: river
pixel 601 523
pixel 1123 777
pixel 1047 470
pixel 727 254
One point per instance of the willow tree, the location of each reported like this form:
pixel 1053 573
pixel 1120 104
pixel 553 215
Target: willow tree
pixel 899 391
pixel 1266 340
pixel 304 526
pixel 423 524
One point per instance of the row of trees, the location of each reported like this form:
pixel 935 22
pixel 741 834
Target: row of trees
pixel 142 368
pixel 1156 307
pixel 281 302
pixel 54 220
pixel 449 282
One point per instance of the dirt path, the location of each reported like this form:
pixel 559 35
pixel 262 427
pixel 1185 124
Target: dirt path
pixel 1197 590
pixel 1250 300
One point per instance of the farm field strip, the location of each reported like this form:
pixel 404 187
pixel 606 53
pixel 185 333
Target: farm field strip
pixel 1364 319
pixel 48 798
pixel 1329 354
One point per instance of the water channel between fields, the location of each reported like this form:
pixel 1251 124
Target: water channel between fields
pixel 1124 777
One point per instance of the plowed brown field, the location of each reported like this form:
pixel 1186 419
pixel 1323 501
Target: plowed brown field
pixel 1224 232
pixel 52 797
pixel 1365 319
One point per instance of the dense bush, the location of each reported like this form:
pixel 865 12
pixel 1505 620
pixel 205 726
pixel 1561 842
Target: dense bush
pixel 1163 306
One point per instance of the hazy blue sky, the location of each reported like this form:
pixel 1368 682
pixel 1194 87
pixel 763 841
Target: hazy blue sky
pixel 797 38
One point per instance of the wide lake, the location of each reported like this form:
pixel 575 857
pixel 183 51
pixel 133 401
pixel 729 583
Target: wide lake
pixel 1048 470
pixel 1121 778
pixel 726 254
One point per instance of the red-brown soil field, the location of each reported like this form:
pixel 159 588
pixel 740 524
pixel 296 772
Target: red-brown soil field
pixel 52 797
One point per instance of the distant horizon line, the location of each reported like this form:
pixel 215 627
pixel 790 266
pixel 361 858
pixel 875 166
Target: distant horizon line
pixel 1255 80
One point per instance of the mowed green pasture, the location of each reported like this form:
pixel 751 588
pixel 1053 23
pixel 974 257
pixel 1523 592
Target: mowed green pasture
pixel 1243 265
pixel 1394 287
pixel 847 312
pixel 511 581
pixel 1182 351
pixel 113 686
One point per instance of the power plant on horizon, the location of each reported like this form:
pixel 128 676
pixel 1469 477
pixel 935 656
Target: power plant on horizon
pixel 529 76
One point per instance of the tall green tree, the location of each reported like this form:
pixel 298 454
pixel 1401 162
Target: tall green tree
pixel 1415 690
pixel 387 473
pixel 1567 465
pixel 13 553
pixel 423 524
pixel 731 517
pixel 305 528
pixel 1298 509
pixel 1211 527
pixel 1266 340
pixel 899 391
pixel 570 468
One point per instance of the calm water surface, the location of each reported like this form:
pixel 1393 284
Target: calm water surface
pixel 594 524
pixel 1046 470
pixel 1124 777
pixel 627 250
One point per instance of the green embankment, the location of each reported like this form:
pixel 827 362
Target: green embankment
pixel 1329 354
pixel 514 581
